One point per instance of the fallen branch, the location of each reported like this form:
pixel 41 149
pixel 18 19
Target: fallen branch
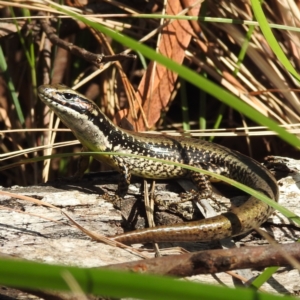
pixel 213 261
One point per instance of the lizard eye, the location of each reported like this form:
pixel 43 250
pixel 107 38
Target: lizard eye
pixel 68 96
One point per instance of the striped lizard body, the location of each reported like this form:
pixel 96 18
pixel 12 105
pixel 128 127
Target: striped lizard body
pixel 97 133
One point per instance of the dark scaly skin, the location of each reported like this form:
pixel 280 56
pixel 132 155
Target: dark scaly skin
pixel 97 133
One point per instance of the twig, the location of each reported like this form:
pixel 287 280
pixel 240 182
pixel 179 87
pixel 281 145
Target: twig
pixel 96 59
pixel 213 261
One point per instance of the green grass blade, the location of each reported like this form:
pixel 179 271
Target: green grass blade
pixel 32 275
pixel 264 277
pixel 11 88
pixel 269 36
pixel 212 20
pixel 184 106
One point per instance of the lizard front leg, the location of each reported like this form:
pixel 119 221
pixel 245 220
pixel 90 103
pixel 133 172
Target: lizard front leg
pixel 83 164
pixel 124 181
pixel 123 184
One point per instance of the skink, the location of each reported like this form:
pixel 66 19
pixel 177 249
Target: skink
pixel 97 133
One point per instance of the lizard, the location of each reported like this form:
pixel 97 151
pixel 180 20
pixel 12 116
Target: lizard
pixel 98 134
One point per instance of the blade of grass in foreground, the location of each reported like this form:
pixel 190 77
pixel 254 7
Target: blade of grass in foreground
pixel 32 275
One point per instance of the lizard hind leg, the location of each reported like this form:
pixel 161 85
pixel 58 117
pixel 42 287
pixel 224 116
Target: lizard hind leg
pixel 204 192
pixel 203 184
